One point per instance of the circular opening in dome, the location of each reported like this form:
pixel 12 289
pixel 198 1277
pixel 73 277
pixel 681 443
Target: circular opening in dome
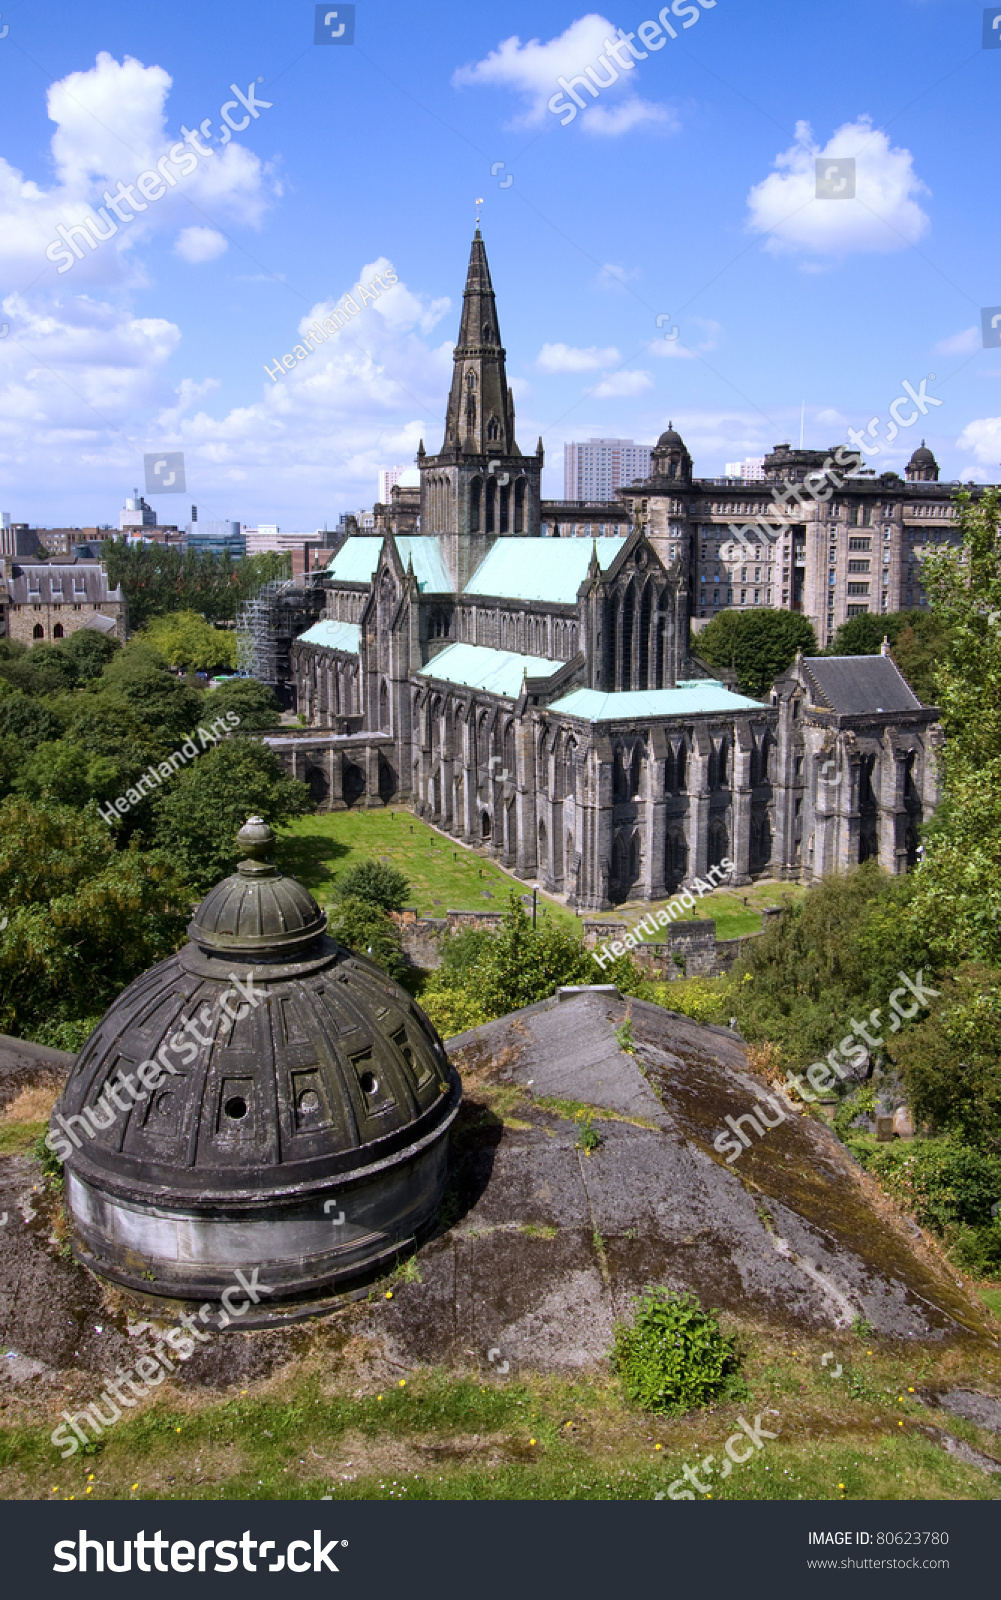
pixel 310 1101
pixel 369 1082
pixel 236 1107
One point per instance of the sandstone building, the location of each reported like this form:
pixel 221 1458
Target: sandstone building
pixel 46 601
pixel 539 694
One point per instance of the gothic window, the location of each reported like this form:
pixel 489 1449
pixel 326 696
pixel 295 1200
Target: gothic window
pixel 519 506
pixel 493 431
pixel 719 843
pixel 475 490
pixel 470 413
pixel 384 722
pixel 487 335
pixel 543 849
pixel 628 610
pixel 491 507
pixel 644 640
pixel 505 507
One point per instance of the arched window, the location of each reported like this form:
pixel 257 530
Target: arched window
pixel 384 722
pixel 493 431
pixel 475 489
pixel 491 507
pixel 628 611
pixel 519 506
pixel 644 641
pixel 38 632
pixel 543 849
pixel 57 631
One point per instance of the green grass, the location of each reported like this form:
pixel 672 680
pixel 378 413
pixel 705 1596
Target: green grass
pixel 446 1435
pixel 17 1138
pixel 725 907
pixel 444 875
pixel 992 1300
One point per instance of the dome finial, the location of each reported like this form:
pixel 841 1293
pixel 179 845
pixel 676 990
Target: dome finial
pixel 255 840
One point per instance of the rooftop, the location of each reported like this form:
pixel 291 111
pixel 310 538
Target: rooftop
pixel 853 685
pixel 692 697
pixel 497 671
pixel 333 635
pixel 540 569
pixel 429 568
pixel 356 560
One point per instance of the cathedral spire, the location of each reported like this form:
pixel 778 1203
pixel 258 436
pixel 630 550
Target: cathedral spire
pixel 480 416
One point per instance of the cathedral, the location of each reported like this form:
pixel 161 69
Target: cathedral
pixel 539 696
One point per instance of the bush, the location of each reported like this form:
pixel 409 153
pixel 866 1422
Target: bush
pixel 758 645
pixel 673 1356
pixel 368 931
pixel 375 883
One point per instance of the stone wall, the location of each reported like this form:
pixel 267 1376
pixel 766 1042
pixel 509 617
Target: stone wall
pixel 691 949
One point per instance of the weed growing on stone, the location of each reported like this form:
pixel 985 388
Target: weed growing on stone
pixel 673 1356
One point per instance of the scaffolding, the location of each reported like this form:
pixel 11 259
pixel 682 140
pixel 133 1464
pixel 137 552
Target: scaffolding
pixel 268 623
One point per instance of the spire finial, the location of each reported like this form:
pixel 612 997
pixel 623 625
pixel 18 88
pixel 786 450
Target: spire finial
pixel 478 204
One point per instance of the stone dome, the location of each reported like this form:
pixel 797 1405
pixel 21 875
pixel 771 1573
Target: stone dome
pixel 922 457
pixel 670 437
pixel 264 1097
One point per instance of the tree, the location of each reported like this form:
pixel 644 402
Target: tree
pixel 957 898
pixel 24 719
pixel 69 774
pixel 157 580
pixel 185 639
pixel 368 931
pixel 196 821
pixel 950 1062
pixel 758 645
pixel 83 919
pixel 375 883
pixel 137 699
pixel 90 652
pixel 256 704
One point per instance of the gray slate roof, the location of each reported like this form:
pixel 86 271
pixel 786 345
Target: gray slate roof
pixel 853 685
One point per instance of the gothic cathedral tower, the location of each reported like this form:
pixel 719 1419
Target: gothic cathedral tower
pixel 479 487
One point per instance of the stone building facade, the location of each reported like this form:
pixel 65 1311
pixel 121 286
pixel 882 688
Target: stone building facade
pixel 46 601
pixel 538 696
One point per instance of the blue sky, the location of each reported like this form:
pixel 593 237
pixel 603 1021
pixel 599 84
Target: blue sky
pixel 684 188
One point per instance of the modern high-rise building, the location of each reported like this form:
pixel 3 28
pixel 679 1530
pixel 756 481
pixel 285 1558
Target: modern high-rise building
pixel 750 470
pixel 595 469
pixel 387 477
pixel 137 514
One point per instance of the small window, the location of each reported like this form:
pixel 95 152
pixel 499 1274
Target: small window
pixel 38 632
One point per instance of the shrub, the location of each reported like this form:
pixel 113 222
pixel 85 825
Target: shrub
pixel 673 1356
pixel 375 883
pixel 368 931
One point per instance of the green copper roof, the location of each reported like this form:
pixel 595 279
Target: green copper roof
pixel 693 697
pixel 356 560
pixel 333 635
pixel 478 667
pixel 540 569
pixel 429 568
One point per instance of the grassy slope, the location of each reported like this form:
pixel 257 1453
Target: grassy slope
pixel 447 876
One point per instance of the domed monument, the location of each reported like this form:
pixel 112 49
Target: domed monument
pixel 263 1098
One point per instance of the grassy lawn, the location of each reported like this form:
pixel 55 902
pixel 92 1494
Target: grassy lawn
pixel 448 876
pixel 735 911
pixel 444 875
pixel 863 1435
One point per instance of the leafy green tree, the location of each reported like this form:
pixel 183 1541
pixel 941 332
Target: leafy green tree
pixel 157 580
pixel 758 645
pixel 44 669
pixel 256 704
pixel 89 652
pixel 83 919
pixel 70 775
pixel 366 929
pixel 139 700
pixel 22 718
pixel 957 899
pixel 185 639
pixel 950 1063
pixel 376 883
pixel 196 821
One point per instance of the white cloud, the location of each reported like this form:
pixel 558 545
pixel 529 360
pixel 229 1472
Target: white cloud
pixel 884 216
pixel 611 120
pixel 679 350
pixel 110 126
pixel 982 440
pixel 533 69
pixel 569 358
pixel 960 344
pixel 613 275
pixel 200 244
pixel 83 392
pixel 621 385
